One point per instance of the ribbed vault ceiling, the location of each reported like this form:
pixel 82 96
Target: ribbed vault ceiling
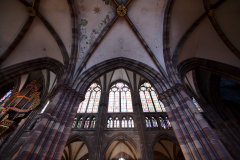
pixel 202 28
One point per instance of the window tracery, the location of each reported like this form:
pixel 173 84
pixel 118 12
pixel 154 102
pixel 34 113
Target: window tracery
pixel 110 123
pixel 80 121
pixel 92 98
pixel 149 99
pixel 93 122
pixel 87 121
pixel 130 123
pixel 120 98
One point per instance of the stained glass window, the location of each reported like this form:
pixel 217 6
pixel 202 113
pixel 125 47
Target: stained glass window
pixel 162 122
pixel 74 123
pixel 154 122
pixel 148 122
pixel 130 123
pixel 197 105
pixel 80 121
pixel 120 98
pixel 6 96
pixel 110 123
pixel 91 101
pixel 116 123
pixel 45 106
pixel 167 122
pixel 93 122
pixel 86 125
pixel 149 99
pixel 124 122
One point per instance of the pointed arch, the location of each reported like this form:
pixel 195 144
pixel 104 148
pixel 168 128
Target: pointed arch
pixel 158 80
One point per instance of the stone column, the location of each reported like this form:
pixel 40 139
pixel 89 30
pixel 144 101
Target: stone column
pixel 196 138
pixel 48 138
pixel 210 141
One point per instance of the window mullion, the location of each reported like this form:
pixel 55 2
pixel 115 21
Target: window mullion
pixel 88 101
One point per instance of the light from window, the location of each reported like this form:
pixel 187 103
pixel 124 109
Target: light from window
pixel 130 123
pixel 120 98
pixel 197 105
pixel 80 121
pixel 149 99
pixel 6 96
pixel 87 121
pixel 74 123
pixel 92 98
pixel 45 106
pixel 124 123
pixel 93 122
pixel 148 122
pixel 110 123
pixel 154 122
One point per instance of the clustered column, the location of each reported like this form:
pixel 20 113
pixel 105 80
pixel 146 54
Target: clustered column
pixel 47 140
pixel 197 140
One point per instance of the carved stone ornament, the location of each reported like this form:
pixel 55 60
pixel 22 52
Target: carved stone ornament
pixel 121 10
pixel 31 11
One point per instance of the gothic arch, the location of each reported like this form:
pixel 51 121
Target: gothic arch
pixel 159 81
pixel 30 66
pixel 116 137
pixel 218 68
pixel 163 135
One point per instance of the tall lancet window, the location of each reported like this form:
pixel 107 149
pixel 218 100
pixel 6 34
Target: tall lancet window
pixel 120 98
pixel 92 98
pixel 149 99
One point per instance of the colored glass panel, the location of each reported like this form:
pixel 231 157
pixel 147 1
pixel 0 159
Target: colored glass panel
pixel 162 106
pixel 147 84
pixel 96 103
pixel 74 123
pixel 93 123
pixel 143 100
pixel 123 122
pixel 79 125
pixel 6 96
pixel 162 122
pixel 148 123
pixel 156 103
pixel 111 102
pixel 129 102
pixel 119 85
pixel 79 108
pixel 85 102
pixel 149 101
pixel 116 108
pixel 87 123
pixel 123 102
pixel 91 102
pixel 197 105
pixel 154 122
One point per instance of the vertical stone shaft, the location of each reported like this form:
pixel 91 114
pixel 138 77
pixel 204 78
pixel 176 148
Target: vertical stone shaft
pixel 40 129
pixel 59 127
pixel 180 130
pixel 68 126
pixel 55 128
pixel 195 128
pixel 177 130
pixel 210 135
pixel 46 132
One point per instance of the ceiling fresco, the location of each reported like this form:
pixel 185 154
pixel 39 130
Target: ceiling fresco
pixel 94 16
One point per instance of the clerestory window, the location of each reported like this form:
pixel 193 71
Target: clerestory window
pixel 120 98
